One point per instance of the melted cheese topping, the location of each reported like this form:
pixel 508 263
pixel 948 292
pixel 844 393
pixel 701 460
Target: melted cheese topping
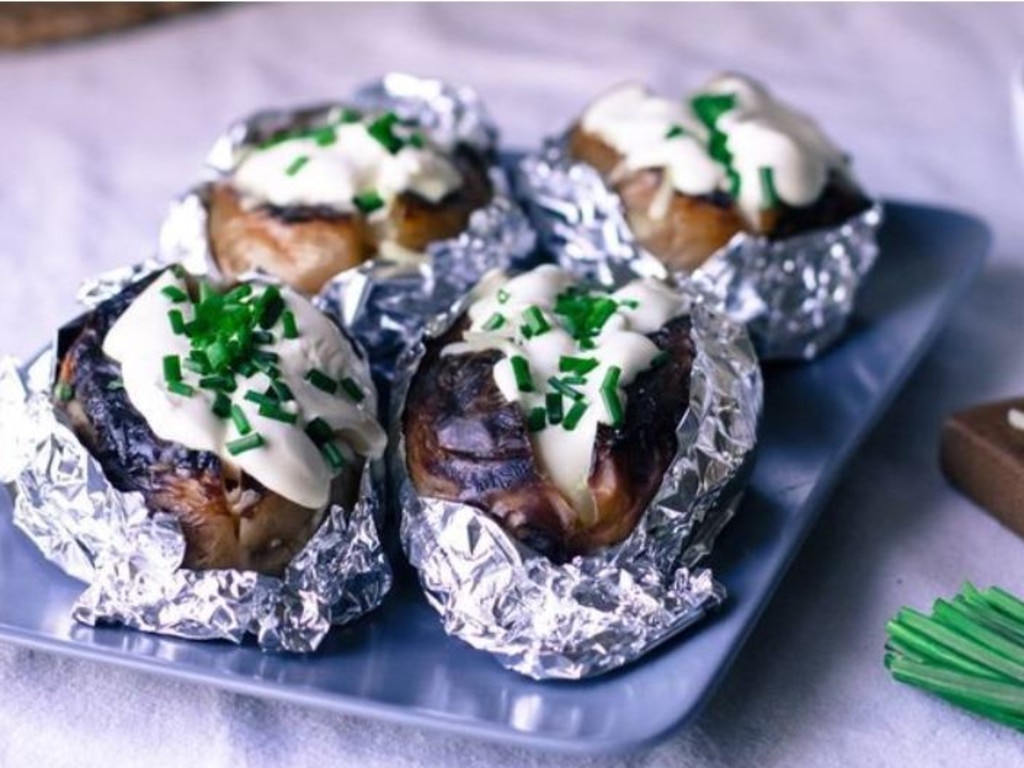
pixel 334 165
pixel 770 150
pixel 288 462
pixel 641 307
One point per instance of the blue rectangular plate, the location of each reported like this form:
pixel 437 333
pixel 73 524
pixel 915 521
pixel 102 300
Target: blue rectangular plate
pixel 398 665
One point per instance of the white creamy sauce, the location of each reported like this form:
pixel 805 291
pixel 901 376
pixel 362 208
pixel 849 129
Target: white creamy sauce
pixel 760 133
pixel 288 462
pixel 643 307
pixel 307 171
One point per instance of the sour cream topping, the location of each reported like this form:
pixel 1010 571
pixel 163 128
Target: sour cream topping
pixel 287 460
pixel 577 368
pixel 732 136
pixel 347 166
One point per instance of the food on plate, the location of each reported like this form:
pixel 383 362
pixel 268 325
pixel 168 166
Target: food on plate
pixel 982 453
pixel 312 201
pixel 244 412
pixel 732 158
pixel 553 406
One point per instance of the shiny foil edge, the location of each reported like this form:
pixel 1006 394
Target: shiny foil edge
pixel 595 613
pixel 131 560
pixel 795 295
pixel 382 301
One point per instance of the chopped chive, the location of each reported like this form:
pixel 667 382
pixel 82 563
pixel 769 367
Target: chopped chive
pixel 382 129
pixel 611 378
pixel 196 367
pixel 221 405
pixel 574 379
pixel 180 388
pixel 114 385
pixel 675 132
pixel 565 389
pixel 368 201
pixel 319 431
pixel 587 344
pixel 321 380
pixel 735 182
pixel 349 115
pixel 553 401
pixel 536 323
pixel 217 355
pixel 262 337
pixel 353 390
pixel 572 418
pixel 243 444
pixel 172 368
pixel 536 419
pixel 629 303
pixel 416 140
pixel 769 196
pixel 521 371
pixel 282 391
pixel 718 150
pixel 332 455
pixel 240 421
pixel 219 383
pixel 177 321
pixel 612 406
pixel 494 322
pixel 324 137
pixel 174 293
pixel 503 296
pixel 259 398
pixel 266 357
pixel 291 329
pixel 238 293
pixel 578 365
pixel 270 307
pixel 296 165
pixel 711 106
pixel 276 412
pixel 64 391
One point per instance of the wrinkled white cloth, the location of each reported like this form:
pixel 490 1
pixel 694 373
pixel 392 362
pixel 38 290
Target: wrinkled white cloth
pixel 97 136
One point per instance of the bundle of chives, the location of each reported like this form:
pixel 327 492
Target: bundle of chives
pixel 970 652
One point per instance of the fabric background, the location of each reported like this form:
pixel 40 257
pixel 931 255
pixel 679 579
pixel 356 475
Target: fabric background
pixel 96 138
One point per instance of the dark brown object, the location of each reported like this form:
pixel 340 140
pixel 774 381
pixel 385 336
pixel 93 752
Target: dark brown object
pixel 465 442
pixel 307 245
pixel 229 519
pixel 983 456
pixel 23 25
pixel 695 227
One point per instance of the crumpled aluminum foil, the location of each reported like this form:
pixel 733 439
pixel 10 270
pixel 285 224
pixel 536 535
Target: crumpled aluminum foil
pixel 131 559
pixel 595 613
pixel 794 295
pixel 382 301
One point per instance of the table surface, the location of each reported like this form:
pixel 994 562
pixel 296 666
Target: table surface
pixel 98 136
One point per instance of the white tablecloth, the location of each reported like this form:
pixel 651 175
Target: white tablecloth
pixel 96 137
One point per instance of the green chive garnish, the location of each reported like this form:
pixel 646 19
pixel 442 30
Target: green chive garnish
pixel 319 431
pixel 611 377
pixel 64 391
pixel 578 365
pixel 269 307
pixel 368 201
pixel 324 137
pixel 353 390
pixel 675 131
pixel 503 296
pixel 382 129
pixel 240 421
pixel 174 293
pixel 321 380
pixel 769 196
pixel 521 371
pixel 349 115
pixel 494 322
pixel 610 396
pixel 553 401
pixel 180 388
pixel 259 398
pixel 332 455
pixel 276 412
pixel 177 321
pixel 735 182
pixel 536 418
pixel 262 337
pixel 114 385
pixel 243 444
pixel 291 330
pixel 281 391
pixel 536 323
pixel 629 303
pixel 221 405
pixel 711 106
pixel 218 383
pixel 172 368
pixel 296 165
pixel 565 389
pixel 572 418
pixel 416 140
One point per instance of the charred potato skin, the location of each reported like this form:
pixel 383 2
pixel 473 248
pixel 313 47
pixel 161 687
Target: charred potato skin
pixel 307 245
pixel 695 227
pixel 466 443
pixel 228 521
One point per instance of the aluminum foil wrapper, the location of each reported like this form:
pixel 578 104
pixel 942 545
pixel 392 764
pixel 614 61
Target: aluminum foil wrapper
pixel 384 300
pixel 794 295
pixel 594 613
pixel 131 560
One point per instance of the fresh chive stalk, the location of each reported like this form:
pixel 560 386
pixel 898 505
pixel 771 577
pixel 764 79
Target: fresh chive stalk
pixel 521 371
pixel 247 443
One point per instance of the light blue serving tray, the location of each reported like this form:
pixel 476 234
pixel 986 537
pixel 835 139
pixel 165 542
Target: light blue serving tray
pixel 399 665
